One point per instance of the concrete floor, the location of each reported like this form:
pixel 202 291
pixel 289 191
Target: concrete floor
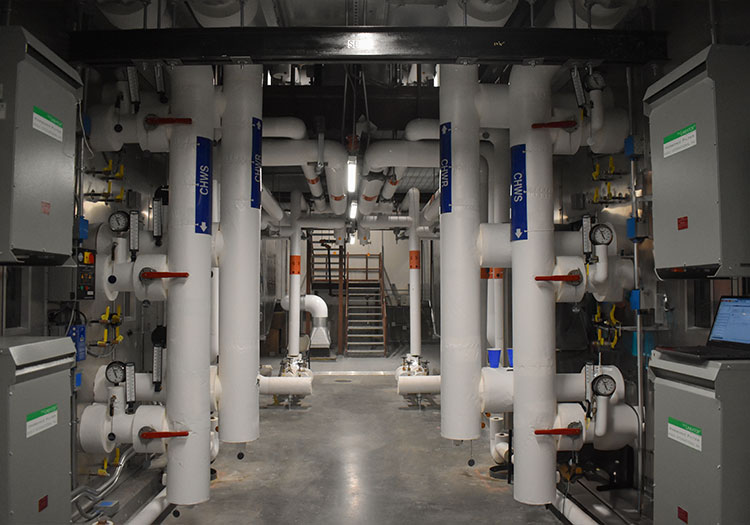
pixel 356 453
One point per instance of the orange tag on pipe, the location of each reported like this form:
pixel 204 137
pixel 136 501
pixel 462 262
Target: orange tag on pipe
pixel 414 260
pixel 295 264
pixel 497 273
pixel 484 273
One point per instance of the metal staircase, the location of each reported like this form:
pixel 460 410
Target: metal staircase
pixel 324 260
pixel 366 321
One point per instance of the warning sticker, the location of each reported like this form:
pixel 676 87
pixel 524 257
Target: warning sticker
pixel 295 264
pixel 684 433
pixel 47 124
pixel 414 259
pixel 41 420
pixel 680 140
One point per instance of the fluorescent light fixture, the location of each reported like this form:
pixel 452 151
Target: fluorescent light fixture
pixel 352 238
pixel 351 174
pixel 353 210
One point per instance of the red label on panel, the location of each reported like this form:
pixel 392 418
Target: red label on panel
pixel 682 514
pixel 682 223
pixel 43 503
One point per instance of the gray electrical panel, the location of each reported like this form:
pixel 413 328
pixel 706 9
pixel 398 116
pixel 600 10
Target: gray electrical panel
pixel 699 116
pixel 35 447
pixel 38 97
pixel 701 429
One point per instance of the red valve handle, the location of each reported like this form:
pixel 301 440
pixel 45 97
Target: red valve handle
pixel 558 432
pixel 555 125
pixel 163 275
pixel 160 435
pixel 571 278
pixel 158 121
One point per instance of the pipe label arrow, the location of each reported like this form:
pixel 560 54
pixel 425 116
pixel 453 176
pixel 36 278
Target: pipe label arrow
pixel 519 223
pixel 257 163
pixel 446 169
pixel 203 186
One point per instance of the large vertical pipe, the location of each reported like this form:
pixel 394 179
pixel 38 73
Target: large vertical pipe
pixel 239 322
pixel 501 204
pixel 295 270
pixel 460 342
pixel 533 253
pixel 484 272
pixel 415 276
pixel 189 300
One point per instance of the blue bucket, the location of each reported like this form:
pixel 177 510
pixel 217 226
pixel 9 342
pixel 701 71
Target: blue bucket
pixel 493 356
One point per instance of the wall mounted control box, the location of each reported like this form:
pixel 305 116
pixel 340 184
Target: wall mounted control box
pixel 39 94
pixel 700 130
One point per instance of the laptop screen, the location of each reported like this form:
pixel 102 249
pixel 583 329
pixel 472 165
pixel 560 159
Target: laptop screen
pixel 732 323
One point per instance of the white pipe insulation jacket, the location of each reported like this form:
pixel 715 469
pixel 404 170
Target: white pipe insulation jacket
pixel 239 286
pixel 422 129
pixel 460 342
pixel 189 299
pixel 151 511
pixel 431 210
pixel 407 385
pixel 398 153
pixel 271 206
pixel 287 152
pixel 295 271
pixel 284 128
pixel 368 194
pixel 314 304
pixel 286 385
pixel 533 254
pixel 385 222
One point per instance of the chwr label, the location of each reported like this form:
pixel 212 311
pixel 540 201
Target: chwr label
pixel 257 163
pixel 446 169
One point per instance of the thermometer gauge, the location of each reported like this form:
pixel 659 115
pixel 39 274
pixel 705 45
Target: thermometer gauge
pixel 604 385
pixel 115 372
pixel 119 221
pixel 601 234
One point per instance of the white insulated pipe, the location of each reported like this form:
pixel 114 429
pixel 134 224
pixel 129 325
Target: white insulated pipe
pixel 286 385
pixel 431 210
pixel 314 304
pixel 460 342
pixel 287 152
pixel 151 511
pixel 239 296
pixel 189 299
pixel 415 276
pixel 295 277
pixel 533 303
pixel 407 385
pixel 571 510
pixel 282 127
pixel 271 206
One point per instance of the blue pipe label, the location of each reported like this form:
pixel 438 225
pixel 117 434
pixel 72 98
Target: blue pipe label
pixel 257 163
pixel 446 169
pixel 519 224
pixel 203 186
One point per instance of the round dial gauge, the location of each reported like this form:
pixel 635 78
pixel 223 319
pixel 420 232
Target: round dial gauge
pixel 604 385
pixel 601 234
pixel 115 372
pixel 119 221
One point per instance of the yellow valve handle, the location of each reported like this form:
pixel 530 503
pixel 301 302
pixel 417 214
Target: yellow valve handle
pixel 109 188
pixel 120 196
pixel 614 340
pixel 117 456
pixel 596 195
pixel 598 316
pixel 120 172
pixel 599 337
pixel 615 322
pixel 609 190
pixel 118 337
pixel 103 471
pixel 109 167
pixel 611 165
pixel 597 171
pixel 105 316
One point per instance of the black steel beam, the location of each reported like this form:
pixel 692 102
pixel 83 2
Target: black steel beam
pixel 298 45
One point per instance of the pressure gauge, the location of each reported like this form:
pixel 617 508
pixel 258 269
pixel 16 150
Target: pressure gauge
pixel 115 372
pixel 119 221
pixel 604 385
pixel 601 234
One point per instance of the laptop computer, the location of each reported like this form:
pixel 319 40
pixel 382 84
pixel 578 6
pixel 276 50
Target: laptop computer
pixel 729 337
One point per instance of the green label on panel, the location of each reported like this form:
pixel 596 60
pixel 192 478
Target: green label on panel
pixel 680 140
pixel 47 124
pixel 688 435
pixel 41 420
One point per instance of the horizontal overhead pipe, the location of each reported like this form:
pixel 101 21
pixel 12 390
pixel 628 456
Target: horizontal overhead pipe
pixel 284 128
pixel 271 206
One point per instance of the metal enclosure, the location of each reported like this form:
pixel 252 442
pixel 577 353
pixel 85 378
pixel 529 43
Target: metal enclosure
pixel 700 440
pixel 35 447
pixel 699 134
pixel 38 97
